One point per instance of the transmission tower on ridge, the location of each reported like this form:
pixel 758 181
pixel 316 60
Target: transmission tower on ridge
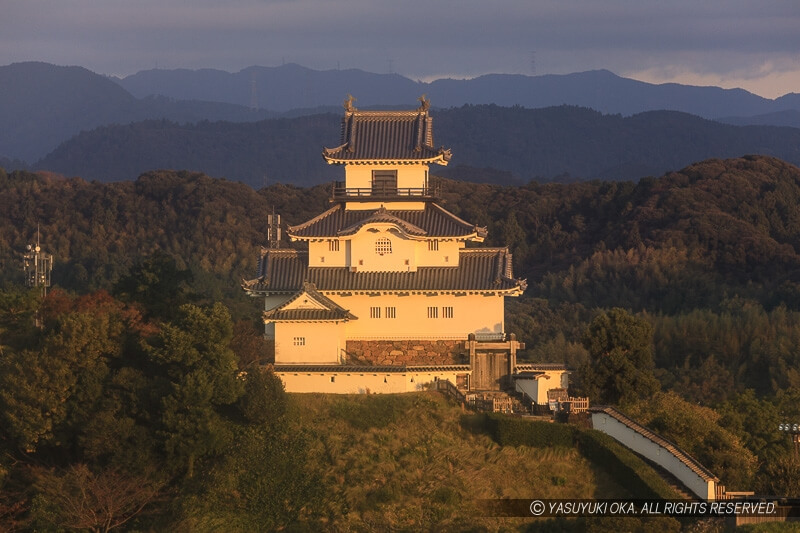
pixel 37 266
pixel 253 92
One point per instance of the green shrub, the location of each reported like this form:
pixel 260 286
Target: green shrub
pixel 512 431
pixel 370 412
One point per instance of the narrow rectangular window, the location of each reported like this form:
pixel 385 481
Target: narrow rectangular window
pixel 447 312
pixel 333 246
pixel 433 246
pixel 433 312
pixel 391 312
pixel 299 341
pixel 374 312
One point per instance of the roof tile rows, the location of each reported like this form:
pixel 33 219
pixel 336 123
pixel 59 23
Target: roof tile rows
pixel 386 135
pixel 480 269
pixel 433 221
pixel 332 310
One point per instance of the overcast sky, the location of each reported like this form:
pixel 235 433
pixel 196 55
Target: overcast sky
pixel 730 43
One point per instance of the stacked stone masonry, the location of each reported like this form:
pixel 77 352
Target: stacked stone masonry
pixel 406 352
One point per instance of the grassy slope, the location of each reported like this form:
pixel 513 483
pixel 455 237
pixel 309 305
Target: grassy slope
pixel 404 461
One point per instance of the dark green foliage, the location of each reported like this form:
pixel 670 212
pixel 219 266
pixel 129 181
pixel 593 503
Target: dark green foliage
pixel 620 369
pixel 781 477
pixel 697 430
pixel 510 431
pixel 157 284
pixel 378 413
pixel 263 482
pixel 201 377
pixel 264 400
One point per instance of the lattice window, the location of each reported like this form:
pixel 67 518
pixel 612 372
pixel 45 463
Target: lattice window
pixel 383 246
pixel 333 246
pixel 433 312
pixel 299 341
pixel 391 312
pixel 374 312
pixel 447 312
pixel 433 246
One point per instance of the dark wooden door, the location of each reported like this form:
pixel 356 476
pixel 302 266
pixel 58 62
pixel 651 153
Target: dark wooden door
pixel 490 370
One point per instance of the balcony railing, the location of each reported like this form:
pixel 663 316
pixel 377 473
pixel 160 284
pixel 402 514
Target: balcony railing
pixel 340 192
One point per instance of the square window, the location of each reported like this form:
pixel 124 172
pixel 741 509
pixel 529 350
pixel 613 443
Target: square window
pixel 383 246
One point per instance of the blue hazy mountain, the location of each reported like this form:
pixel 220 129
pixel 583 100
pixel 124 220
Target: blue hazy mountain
pixel 292 86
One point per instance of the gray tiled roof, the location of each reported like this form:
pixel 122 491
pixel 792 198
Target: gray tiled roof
pixel 432 221
pixel 386 135
pixel 480 269
pixel 332 310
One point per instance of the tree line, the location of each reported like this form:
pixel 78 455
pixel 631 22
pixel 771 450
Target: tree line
pixel 707 257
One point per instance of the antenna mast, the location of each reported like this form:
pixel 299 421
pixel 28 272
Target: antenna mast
pixel 37 266
pixel 274 230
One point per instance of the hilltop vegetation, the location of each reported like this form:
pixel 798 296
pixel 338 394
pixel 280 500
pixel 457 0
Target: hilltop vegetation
pixel 710 253
pixel 708 256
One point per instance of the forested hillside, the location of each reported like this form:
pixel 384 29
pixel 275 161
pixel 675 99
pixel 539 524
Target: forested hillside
pixel 705 262
pixel 560 143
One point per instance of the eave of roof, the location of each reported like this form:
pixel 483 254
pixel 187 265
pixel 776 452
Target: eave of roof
pixel 331 312
pixel 432 222
pixel 480 270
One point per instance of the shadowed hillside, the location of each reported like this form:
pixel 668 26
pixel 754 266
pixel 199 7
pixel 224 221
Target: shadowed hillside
pixel 561 143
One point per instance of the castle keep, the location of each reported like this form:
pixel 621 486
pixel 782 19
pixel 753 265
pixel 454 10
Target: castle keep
pixel 387 297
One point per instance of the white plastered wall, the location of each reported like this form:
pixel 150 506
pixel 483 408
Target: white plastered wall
pixel 703 488
pixel 309 342
pixel 353 382
pixel 472 313
pixel 321 253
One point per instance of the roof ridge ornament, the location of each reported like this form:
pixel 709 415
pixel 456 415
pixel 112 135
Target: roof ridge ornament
pixel 348 104
pixel 424 103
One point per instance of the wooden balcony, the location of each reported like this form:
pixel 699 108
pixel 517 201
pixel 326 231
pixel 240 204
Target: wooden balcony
pixel 383 193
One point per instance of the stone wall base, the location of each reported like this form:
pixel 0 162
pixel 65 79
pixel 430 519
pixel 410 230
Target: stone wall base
pixel 407 352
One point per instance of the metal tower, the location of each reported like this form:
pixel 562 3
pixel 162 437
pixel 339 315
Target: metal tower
pixel 274 230
pixel 37 266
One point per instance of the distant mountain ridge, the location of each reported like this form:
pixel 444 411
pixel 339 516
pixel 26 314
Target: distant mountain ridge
pixel 43 105
pixel 292 86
